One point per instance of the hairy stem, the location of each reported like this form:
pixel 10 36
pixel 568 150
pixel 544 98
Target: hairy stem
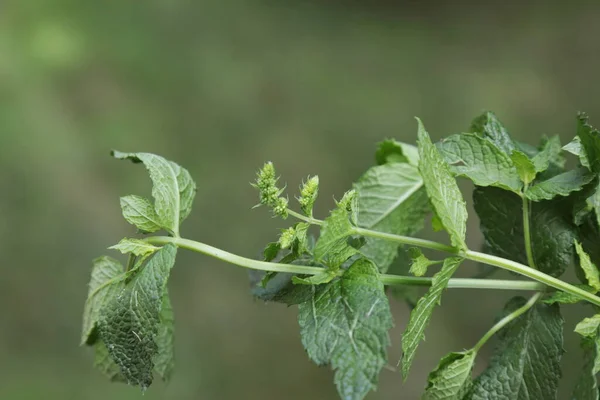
pixel 526 231
pixel 506 320
pixel 306 270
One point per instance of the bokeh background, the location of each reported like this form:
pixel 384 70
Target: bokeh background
pixel 220 86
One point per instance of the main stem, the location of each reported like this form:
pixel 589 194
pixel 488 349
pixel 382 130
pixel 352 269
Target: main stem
pixel 306 270
pixel 475 256
pixel 526 232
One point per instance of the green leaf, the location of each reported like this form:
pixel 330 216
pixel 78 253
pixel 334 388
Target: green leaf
pixel 107 281
pixel 488 126
pixel 552 229
pixel 164 361
pixel 588 327
pixel 131 322
pixel 420 263
pixel 442 190
pixel 391 199
pixel 332 248
pixel 524 165
pixel 420 316
pixel 271 251
pixel 567 298
pixel 345 324
pixel 391 151
pixel 587 384
pixel 451 379
pixel 574 147
pixel 550 154
pixel 140 213
pixel 173 188
pixel 406 293
pixel 590 142
pixel 319 279
pixel 136 247
pixel 590 270
pixel 526 362
pixel 479 159
pixel 105 364
pixel 560 185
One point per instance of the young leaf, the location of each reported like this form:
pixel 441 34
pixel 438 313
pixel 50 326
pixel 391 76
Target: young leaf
pixel 574 147
pixel 164 361
pixel 319 279
pixel 136 247
pixel 567 298
pixel 391 199
pixel 345 324
pixel 488 126
pixel 552 229
pixel 140 213
pixel 107 281
pixel 332 247
pixel 131 323
pixel 442 189
pixel 590 142
pixel 526 363
pixel 420 263
pixel 590 270
pixel 479 159
pixel 452 378
pixel 391 151
pixel 550 154
pixel 524 165
pixel 587 384
pixel 173 188
pixel 560 185
pixel 588 327
pixel 420 316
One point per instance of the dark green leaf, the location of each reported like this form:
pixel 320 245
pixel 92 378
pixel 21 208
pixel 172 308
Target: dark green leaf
pixel 131 322
pixel 164 361
pixel 391 199
pixel 526 363
pixel 442 189
pixel 105 364
pixel 552 229
pixel 560 185
pixel 420 316
pixel 478 159
pixel 488 125
pixel 345 324
pixel 587 384
pixel 451 379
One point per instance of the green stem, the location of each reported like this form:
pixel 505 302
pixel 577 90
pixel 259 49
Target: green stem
pixel 428 244
pixel 304 218
pixel 526 231
pixel 306 270
pixel 506 320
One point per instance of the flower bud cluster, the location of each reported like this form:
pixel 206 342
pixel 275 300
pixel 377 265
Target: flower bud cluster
pixel 270 194
pixel 308 195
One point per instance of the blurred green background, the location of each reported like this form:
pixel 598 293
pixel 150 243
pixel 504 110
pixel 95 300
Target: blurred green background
pixel 220 86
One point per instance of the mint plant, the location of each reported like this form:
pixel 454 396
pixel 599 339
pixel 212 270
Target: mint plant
pixel 538 219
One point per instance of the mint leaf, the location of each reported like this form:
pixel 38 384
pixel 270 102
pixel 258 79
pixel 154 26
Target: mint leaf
pixel 524 166
pixel 560 185
pixel 587 384
pixel 488 126
pixel 332 248
pixel 140 213
pixel 588 327
pixel 164 361
pixel 105 364
pixel 442 189
pixel 420 263
pixel 136 247
pixel 131 323
pixel 173 188
pixel 526 362
pixel 452 377
pixel 574 147
pixel 391 199
pixel 319 279
pixel 345 324
pixel 550 154
pixel 567 298
pixel 107 281
pixel 552 229
pixel 590 142
pixel 420 316
pixel 392 151
pixel 590 270
pixel 479 159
